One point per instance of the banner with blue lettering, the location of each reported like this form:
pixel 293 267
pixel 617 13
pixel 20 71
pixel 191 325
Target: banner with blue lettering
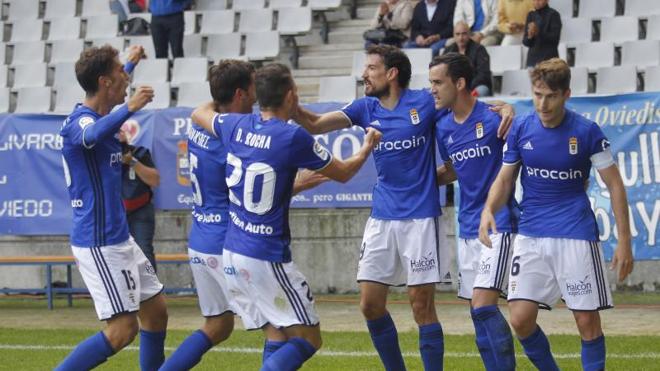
pixel 33 198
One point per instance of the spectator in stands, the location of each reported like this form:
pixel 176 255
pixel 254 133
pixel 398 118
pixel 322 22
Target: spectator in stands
pixel 431 25
pixel 542 30
pixel 392 15
pixel 482 83
pixel 481 18
pixel 511 16
pixel 167 26
pixel 139 176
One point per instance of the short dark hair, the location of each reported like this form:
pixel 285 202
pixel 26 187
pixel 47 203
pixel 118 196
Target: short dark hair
pixel 92 64
pixel 458 66
pixel 553 72
pixel 394 57
pixel 227 76
pixel 273 81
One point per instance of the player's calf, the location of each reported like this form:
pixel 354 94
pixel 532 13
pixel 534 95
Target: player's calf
pixel 121 330
pixel 219 328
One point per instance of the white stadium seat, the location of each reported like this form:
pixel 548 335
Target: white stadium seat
pixel 337 89
pixel 96 8
pixel 64 29
pixel 597 8
pixel 641 8
pixel 150 71
pixel 248 4
pixel 192 94
pixel 640 53
pixel 594 55
pixel 616 80
pixel 33 100
pixel 504 58
pixel 563 7
pixel 146 42
pixel 217 22
pixel 652 79
pixel 189 70
pixel 293 21
pixel 190 22
pixel 255 20
pixel 116 42
pixel 278 4
pixel 27 30
pixel 419 81
pixel 162 96
pixel 28 52
pixel 576 31
pixel 4 72
pixel 262 45
pixel 324 4
pixel 419 59
pixel 619 29
pixel 60 9
pixel 653 28
pixel 23 9
pixel 4 99
pixel 192 45
pixel 516 82
pixel 359 59
pixel 210 4
pixel 65 50
pixel 67 96
pixel 65 73
pixel 223 46
pixel 579 80
pixel 99 27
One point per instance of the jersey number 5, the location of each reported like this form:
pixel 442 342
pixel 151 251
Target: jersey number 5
pixel 251 172
pixel 197 192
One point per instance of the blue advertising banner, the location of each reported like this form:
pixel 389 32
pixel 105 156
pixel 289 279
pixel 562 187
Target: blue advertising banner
pixel 33 198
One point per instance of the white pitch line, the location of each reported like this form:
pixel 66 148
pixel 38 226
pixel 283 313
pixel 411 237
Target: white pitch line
pixel 331 353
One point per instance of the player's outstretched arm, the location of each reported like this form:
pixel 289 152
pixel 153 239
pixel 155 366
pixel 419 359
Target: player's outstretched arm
pixel 498 195
pixel 320 124
pixel 445 174
pixel 109 124
pixel 343 171
pixel 507 112
pixel 135 54
pixel 307 179
pixel 203 116
pixel 622 260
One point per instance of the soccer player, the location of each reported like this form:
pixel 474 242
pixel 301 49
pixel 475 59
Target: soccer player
pixel 233 90
pixel 557 252
pixel 120 279
pixel 472 152
pixel 401 239
pixel 264 153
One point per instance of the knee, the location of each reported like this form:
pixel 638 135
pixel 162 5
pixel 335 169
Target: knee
pixel 218 329
pixel 372 309
pixel 423 307
pixel 588 324
pixel 523 325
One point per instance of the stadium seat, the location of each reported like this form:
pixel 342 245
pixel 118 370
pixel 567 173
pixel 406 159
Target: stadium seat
pixel 640 53
pixel 189 70
pixel 597 8
pixel 293 21
pixel 67 96
pixel 576 31
pixel 146 42
pixel 4 99
pixel 192 45
pixel 96 8
pixel 33 100
pixel 210 4
pixel 324 4
pixel 337 89
pixel 192 94
pixel 30 75
pixel 27 30
pixel 217 22
pixel 616 80
pixel 116 42
pixel 419 59
pixel 64 28
pixel 561 49
pixel 619 29
pixel 248 4
pixel 223 46
pixel 504 58
pixel 4 71
pixel 564 7
pixel 65 73
pixel 162 95
pixel 23 9
pixel 3 50
pixel 190 22
pixel 255 20
pixel 641 8
pixel 262 45
pixel 99 27
pixel 653 28
pixel 652 78
pixel 28 52
pixel 150 71
pixel 60 9
pixel 594 55
pixel 278 4
pixel 579 80
pixel 359 58
pixel 419 81
pixel 516 82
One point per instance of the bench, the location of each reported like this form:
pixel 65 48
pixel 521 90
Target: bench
pixel 62 260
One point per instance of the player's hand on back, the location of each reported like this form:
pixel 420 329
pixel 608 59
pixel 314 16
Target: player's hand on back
pixel 622 261
pixel 142 96
pixel 135 53
pixel 507 112
pixel 486 224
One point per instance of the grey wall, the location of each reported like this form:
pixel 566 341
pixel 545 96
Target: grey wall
pixel 325 247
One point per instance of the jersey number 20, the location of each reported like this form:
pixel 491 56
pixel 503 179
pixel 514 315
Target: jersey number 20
pixel 251 172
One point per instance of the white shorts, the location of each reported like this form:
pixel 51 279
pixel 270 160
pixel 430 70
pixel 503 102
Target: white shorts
pixel 481 267
pixel 209 276
pixel 543 270
pixel 267 292
pixel 118 277
pixel 404 252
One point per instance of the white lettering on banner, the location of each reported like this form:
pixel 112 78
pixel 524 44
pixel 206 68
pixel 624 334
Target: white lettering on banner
pixel 605 116
pixel 650 220
pixel 347 197
pixel 650 223
pixel 26 208
pixel 3 179
pixel 181 125
pixel 261 229
pixel 322 198
pixel 31 142
pixel 184 199
pixel 629 163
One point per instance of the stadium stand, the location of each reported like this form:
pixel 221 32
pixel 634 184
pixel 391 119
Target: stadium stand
pixel 60 9
pixel 597 8
pixel 255 20
pixel 217 22
pixel 27 30
pixel 30 75
pixel 23 9
pixel 191 94
pixel 4 100
pixel 594 55
pixel 64 50
pixel 616 80
pixel 64 28
pixel 223 46
pixel 96 8
pixel 189 70
pixel 151 71
pixel 33 99
pixel 211 4
pixel 652 78
pixel 619 29
pixel 337 89
pixel 66 97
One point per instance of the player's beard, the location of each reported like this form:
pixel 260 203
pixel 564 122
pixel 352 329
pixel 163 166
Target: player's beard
pixel 378 93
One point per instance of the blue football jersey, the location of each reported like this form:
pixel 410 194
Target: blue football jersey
pixel 210 212
pixel 406 187
pixel 263 158
pixel 555 164
pixel 475 151
pixel 92 171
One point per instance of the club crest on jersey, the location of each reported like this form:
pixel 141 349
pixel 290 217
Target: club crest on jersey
pixel 573 146
pixel 85 121
pixel 480 130
pixel 414 116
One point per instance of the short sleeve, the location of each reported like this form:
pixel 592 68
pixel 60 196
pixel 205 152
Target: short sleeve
pixel 218 120
pixel 75 130
pixel 599 148
pixel 356 111
pixel 511 150
pixel 307 152
pixel 223 125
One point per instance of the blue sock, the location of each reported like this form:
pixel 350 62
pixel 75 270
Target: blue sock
pixel 483 344
pixel 593 354
pixel 290 356
pixel 90 353
pixel 189 353
pixel 498 334
pixel 152 350
pixel 431 346
pixel 386 341
pixel 537 349
pixel 271 347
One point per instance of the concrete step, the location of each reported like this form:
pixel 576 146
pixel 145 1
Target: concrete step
pixel 325 61
pixel 337 37
pixel 318 72
pixel 333 48
pixel 363 23
pixel 366 12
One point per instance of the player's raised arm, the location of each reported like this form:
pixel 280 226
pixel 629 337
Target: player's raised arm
pixel 507 112
pixel 204 115
pixel 135 54
pixel 343 171
pixel 320 124
pixel 498 195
